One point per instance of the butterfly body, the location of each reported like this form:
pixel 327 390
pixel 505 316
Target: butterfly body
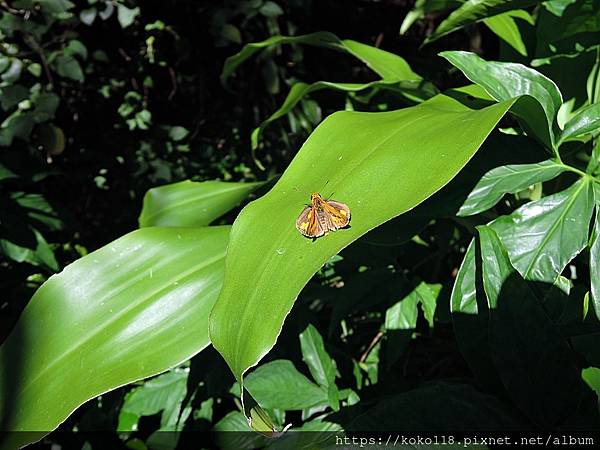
pixel 322 216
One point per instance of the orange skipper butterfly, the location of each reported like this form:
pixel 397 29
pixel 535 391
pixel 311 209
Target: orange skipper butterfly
pixel 322 216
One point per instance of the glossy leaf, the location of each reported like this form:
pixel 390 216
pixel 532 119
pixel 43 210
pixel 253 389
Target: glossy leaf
pixel 278 384
pixel 473 11
pixel 595 262
pixel 321 365
pixel 380 165
pixel 586 121
pixel 192 204
pixel 542 237
pixel 505 27
pixel 509 80
pixel 131 309
pixel 524 343
pixel 507 179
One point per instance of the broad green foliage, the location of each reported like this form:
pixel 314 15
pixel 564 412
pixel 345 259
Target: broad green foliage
pixel 189 204
pixel 265 274
pixel 127 311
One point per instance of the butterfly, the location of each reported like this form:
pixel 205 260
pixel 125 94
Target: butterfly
pixel 322 216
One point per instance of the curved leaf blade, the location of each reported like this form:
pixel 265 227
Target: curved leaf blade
pixel 507 180
pixel 415 91
pixel 387 65
pixel 380 164
pixel 129 310
pixel 192 204
pixel 585 122
pixel 504 26
pixel 504 81
pixel 542 237
pixel 473 11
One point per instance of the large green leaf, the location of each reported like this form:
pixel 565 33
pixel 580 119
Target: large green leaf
pixel 380 164
pixel 192 204
pixel 507 179
pixel 543 236
pixel 473 11
pixel 524 343
pixel 504 81
pixel 131 309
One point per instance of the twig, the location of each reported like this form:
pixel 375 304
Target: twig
pixel 40 51
pixel 373 343
pixel 173 84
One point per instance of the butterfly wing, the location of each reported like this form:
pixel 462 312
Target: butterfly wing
pixel 339 214
pixel 308 224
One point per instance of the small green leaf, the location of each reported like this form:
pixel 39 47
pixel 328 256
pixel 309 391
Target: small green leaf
pixel 126 16
pixel 591 376
pixel 192 204
pixel 507 179
pixel 278 384
pixel 320 364
pixel 68 67
pixel 178 133
pixel 270 9
pixel 88 15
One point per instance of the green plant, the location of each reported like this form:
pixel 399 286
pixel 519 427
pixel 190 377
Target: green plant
pixel 499 177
